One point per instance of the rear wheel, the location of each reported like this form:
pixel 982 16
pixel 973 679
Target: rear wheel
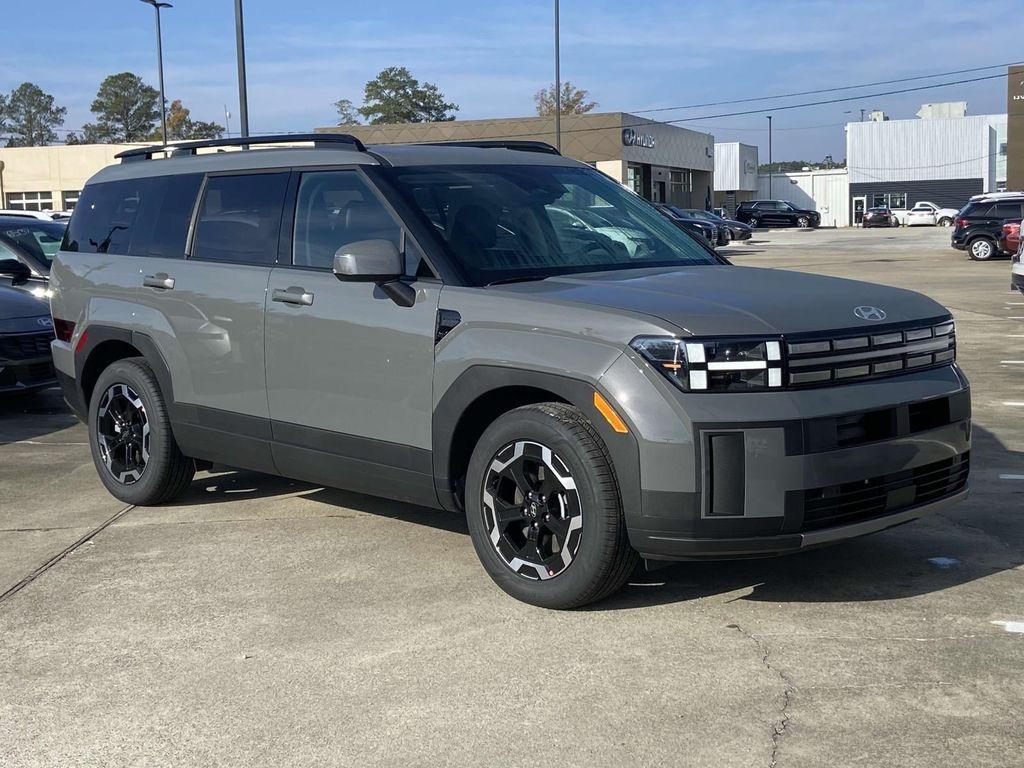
pixel 981 248
pixel 945 221
pixel 543 507
pixel 130 436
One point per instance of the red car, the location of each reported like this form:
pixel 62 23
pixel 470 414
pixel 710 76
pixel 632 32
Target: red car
pixel 1009 239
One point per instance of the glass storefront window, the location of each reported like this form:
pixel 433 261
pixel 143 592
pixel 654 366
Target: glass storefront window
pixel 635 179
pixel 898 200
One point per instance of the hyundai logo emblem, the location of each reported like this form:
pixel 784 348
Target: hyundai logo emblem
pixel 46 322
pixel 869 313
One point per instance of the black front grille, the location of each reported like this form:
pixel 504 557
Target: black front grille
pixel 25 346
pixel 871 353
pixel 883 495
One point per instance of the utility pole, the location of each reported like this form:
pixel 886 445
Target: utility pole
pixel 243 98
pixel 558 87
pixel 160 63
pixel 771 192
pixel 862 114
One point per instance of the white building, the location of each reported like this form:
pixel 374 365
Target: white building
pixel 944 160
pixel 735 174
pixel 824 191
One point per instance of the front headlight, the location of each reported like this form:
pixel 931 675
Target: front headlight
pixel 715 365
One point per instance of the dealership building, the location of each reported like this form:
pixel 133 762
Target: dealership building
pixel 659 161
pixel 943 156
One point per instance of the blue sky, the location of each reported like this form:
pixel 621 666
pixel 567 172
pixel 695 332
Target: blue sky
pixel 490 58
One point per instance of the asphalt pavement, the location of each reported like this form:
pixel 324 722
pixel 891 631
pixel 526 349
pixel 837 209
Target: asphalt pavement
pixel 267 622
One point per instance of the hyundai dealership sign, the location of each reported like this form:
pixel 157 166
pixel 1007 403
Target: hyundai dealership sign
pixel 633 139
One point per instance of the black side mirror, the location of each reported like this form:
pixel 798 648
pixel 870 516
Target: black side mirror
pixel 19 272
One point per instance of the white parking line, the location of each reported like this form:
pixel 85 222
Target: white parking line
pixel 1011 362
pixel 1014 403
pixel 1010 626
pixel 1011 477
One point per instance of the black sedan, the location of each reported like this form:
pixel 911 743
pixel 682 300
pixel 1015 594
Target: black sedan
pixel 26 330
pixel 879 217
pixel 33 242
pixel 728 228
pixel 716 233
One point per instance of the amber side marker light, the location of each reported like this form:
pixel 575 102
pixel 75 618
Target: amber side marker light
pixel 609 414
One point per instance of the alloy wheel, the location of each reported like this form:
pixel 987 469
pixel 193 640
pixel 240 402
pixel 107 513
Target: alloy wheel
pixel 981 249
pixel 802 222
pixel 122 431
pixel 531 510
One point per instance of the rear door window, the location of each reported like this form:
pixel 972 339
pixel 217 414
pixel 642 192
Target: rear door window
pixel 164 216
pixel 1005 211
pixel 240 218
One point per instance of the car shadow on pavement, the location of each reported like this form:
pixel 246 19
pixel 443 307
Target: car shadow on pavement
pixel 46 411
pixel 956 545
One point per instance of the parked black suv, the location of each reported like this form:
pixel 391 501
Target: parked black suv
pixel 774 213
pixel 979 224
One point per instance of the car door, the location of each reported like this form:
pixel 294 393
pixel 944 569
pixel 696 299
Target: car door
pixel 349 371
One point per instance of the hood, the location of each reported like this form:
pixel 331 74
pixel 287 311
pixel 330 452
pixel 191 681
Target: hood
pixel 15 304
pixel 729 300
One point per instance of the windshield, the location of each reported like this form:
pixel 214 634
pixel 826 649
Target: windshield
pixel 704 215
pixel 533 221
pixel 38 240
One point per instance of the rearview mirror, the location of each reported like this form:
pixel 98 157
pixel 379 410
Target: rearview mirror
pixel 370 260
pixel 19 272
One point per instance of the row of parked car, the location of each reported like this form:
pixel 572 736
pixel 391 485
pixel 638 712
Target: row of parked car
pixel 27 246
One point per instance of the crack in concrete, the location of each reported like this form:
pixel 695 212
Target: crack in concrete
pixel 781 725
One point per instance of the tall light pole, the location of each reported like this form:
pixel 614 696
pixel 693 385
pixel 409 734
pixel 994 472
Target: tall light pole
pixel 160 63
pixel 558 88
pixel 771 192
pixel 243 99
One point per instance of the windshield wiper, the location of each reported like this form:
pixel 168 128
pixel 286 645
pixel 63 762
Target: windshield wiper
pixel 519 279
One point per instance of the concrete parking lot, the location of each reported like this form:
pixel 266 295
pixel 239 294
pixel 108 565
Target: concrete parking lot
pixel 266 622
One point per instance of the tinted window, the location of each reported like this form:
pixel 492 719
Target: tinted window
pixel 1006 211
pixel 137 217
pixel 527 222
pixel 336 208
pixel 240 218
pixel 162 226
pixel 104 217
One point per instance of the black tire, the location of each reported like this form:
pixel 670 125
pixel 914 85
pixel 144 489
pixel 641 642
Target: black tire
pixel 754 222
pixel 166 473
pixel 803 222
pixel 945 221
pixel 982 248
pixel 603 559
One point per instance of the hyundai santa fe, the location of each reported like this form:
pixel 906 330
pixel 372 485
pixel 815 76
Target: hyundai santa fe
pixel 498 331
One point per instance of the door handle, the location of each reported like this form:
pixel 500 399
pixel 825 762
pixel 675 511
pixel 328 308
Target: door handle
pixel 293 295
pixel 159 280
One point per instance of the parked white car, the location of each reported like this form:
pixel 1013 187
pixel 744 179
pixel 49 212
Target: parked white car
pixel 41 215
pixel 925 213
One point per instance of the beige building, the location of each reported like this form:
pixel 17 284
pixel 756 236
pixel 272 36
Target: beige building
pixel 660 161
pixel 50 178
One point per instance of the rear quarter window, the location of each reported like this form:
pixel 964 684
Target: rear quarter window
pixel 134 217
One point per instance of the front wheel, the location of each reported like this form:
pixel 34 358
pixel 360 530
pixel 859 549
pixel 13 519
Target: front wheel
pixel 133 448
pixel 543 508
pixel 803 222
pixel 981 249
pixel 754 222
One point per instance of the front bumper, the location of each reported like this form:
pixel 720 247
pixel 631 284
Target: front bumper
pixel 762 474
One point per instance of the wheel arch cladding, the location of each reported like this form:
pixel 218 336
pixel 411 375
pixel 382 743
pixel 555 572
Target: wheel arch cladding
pixel 483 393
pixel 106 345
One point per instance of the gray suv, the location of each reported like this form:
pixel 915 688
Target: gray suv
pixel 425 323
